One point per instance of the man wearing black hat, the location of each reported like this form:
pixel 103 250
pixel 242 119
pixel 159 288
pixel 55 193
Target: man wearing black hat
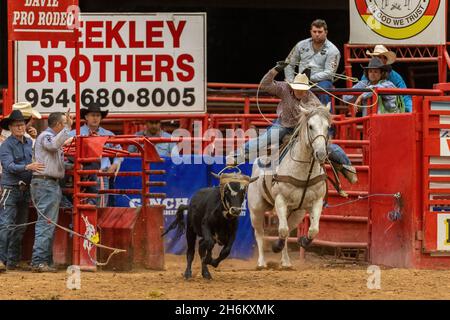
pixel 16 159
pixel 93 115
pixel 376 77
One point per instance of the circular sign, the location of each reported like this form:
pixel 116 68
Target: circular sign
pixel 397 19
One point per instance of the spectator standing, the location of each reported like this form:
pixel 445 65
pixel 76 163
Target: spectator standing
pixel 45 187
pixel 16 159
pixel 93 115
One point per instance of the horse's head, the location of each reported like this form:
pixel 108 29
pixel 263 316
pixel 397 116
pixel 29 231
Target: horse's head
pixel 315 123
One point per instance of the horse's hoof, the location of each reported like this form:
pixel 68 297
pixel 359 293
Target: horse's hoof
pixel 304 242
pixel 287 268
pixel 187 275
pixel 278 245
pixel 260 268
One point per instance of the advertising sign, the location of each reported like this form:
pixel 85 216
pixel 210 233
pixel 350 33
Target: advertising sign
pixel 129 63
pixel 397 22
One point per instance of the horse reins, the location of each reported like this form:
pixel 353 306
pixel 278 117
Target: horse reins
pixel 300 183
pixel 311 141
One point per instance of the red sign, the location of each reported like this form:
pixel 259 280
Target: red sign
pixel 42 19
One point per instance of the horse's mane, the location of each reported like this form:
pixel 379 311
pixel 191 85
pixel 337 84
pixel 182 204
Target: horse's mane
pixel 302 125
pixel 321 111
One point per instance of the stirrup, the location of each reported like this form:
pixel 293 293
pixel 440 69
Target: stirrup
pixel 342 193
pixel 349 173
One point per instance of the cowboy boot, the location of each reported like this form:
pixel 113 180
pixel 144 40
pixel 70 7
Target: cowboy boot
pixel 349 173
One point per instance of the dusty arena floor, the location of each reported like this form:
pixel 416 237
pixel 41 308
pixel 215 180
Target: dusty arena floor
pixel 317 278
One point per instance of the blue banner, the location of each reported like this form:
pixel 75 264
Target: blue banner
pixel 182 182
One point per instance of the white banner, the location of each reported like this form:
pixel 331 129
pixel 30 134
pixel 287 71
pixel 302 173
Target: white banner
pixel 129 63
pixel 397 22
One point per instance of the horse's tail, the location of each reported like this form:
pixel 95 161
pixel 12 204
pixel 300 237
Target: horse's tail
pixel 178 222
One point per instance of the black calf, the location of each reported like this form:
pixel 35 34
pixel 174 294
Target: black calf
pixel 213 216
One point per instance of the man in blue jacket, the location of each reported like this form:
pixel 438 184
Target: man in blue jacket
pixel 17 161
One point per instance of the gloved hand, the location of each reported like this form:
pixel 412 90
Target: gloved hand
pixel 280 66
pixel 307 72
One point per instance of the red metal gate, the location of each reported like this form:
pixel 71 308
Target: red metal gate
pixel 436 176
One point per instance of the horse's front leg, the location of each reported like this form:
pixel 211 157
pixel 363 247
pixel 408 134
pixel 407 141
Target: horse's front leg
pixel 314 219
pixel 283 229
pixel 295 218
pixel 258 224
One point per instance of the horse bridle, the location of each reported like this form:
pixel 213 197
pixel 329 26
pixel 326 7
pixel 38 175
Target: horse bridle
pixel 311 141
pixel 312 161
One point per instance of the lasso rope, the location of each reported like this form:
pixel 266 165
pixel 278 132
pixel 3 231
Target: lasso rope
pixel 396 196
pixel 336 75
pixel 343 77
pixel 98 245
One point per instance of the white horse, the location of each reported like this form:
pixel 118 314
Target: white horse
pixel 298 185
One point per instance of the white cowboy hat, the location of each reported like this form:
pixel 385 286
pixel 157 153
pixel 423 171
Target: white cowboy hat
pixel 381 50
pixel 27 110
pixel 301 82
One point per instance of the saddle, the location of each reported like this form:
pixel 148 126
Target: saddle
pixel 266 162
pixel 269 180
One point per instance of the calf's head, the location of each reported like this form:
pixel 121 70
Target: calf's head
pixel 233 187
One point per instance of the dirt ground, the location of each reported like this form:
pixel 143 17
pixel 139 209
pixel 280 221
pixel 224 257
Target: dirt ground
pixel 316 278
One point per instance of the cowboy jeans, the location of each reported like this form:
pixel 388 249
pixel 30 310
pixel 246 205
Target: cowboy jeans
pixel 275 132
pixel 46 195
pixel 14 204
pixel 324 97
pixel 338 155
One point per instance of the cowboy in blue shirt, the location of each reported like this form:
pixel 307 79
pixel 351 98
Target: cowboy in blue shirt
pixel 388 58
pixel 16 159
pixel 93 115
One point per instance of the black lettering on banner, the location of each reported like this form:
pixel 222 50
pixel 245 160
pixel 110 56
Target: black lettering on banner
pixel 87 97
pixel 62 98
pixel 118 98
pixel 170 97
pixel 144 97
pixel 155 93
pixel 47 95
pixel 143 100
pixel 32 96
pixel 188 97
pixel 102 97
